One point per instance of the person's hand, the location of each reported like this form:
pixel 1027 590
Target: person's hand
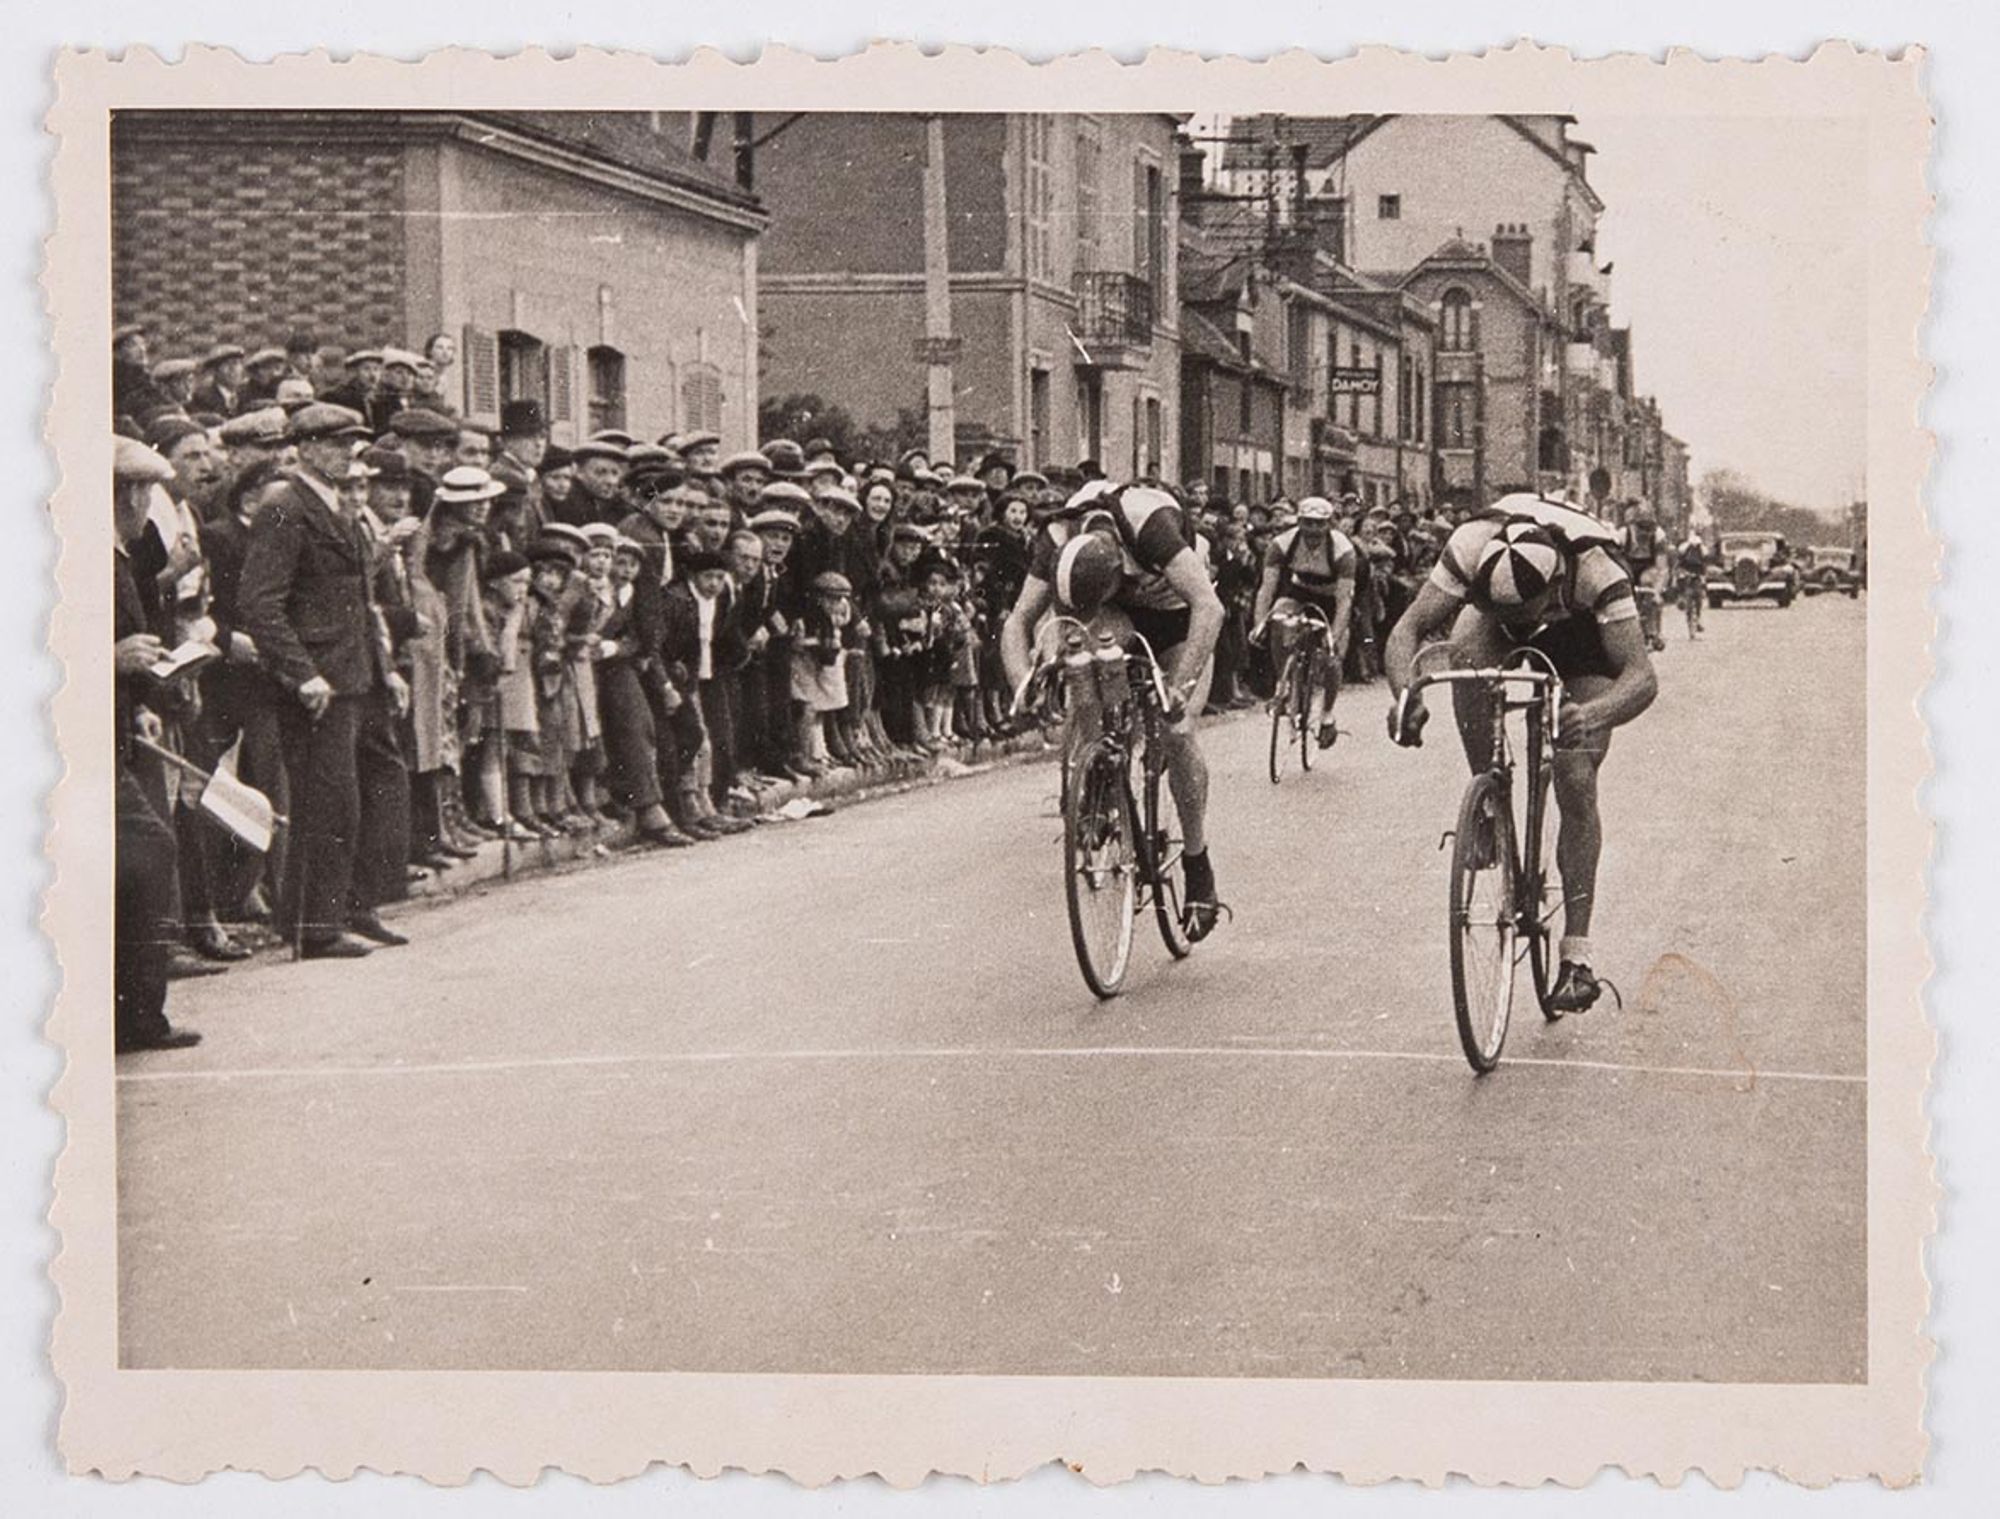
pixel 146 723
pixel 607 648
pixel 861 626
pixel 399 692
pixel 183 556
pixel 779 625
pixel 403 529
pixel 1410 731
pixel 424 624
pixel 758 639
pixel 316 694
pixel 1583 728
pixel 1259 632
pixel 136 653
pixel 242 649
pixel 671 700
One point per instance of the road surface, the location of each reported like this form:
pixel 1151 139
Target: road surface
pixel 832 1096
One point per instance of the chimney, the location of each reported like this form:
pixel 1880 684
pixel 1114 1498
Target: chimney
pixel 1192 162
pixel 1512 245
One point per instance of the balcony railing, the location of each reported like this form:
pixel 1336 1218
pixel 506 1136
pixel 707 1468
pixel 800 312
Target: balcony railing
pixel 1113 309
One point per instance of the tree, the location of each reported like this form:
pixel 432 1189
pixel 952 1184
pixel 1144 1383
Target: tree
pixel 801 417
pixel 1737 506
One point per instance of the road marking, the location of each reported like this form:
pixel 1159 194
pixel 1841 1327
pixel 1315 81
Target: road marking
pixel 1084 1052
pixel 461 1287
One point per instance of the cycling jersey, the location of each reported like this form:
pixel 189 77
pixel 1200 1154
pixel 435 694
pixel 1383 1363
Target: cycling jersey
pixel 1151 535
pixel 1309 574
pixel 1595 593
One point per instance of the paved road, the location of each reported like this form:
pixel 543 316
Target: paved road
pixel 832 1097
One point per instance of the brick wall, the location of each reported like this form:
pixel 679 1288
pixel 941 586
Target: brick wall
pixel 222 231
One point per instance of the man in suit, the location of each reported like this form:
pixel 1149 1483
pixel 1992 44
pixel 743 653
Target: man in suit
pixel 524 438
pixel 307 601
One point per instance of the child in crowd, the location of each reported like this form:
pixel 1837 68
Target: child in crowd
pixel 819 665
pixel 503 700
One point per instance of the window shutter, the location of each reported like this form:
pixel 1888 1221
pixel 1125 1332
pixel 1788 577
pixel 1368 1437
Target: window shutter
pixel 482 375
pixel 562 384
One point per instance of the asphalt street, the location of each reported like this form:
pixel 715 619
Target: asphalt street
pixel 833 1097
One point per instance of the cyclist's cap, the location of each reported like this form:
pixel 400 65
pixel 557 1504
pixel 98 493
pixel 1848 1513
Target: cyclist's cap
pixel 1315 509
pixel 1087 571
pixel 1518 566
pixel 1084 497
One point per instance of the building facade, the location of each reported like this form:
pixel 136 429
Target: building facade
pixel 1061 260
pixel 624 292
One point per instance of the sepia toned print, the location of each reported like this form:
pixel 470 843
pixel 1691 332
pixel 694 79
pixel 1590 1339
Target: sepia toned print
pixel 1204 730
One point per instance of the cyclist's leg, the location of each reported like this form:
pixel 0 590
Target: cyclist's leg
pixel 1283 636
pixel 1580 835
pixel 1186 766
pixel 1476 641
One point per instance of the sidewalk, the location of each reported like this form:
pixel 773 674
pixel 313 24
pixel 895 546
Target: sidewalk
pixel 843 787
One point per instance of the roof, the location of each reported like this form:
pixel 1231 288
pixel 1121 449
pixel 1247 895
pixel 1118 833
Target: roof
pixel 628 140
pixel 1459 254
pixel 1201 338
pixel 1325 137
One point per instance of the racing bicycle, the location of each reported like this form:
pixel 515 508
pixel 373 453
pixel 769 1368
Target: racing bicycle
pixel 1309 662
pixel 1693 587
pixel 1122 842
pixel 1505 890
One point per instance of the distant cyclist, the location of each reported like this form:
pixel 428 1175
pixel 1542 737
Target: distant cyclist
pixel 1311 564
pixel 1538 573
pixel 1691 578
pixel 1124 561
pixel 1643 547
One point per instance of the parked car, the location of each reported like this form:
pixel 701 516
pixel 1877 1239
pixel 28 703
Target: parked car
pixel 1748 566
pixel 1832 569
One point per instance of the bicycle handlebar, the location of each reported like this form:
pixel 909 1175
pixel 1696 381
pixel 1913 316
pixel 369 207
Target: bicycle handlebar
pixel 1543 680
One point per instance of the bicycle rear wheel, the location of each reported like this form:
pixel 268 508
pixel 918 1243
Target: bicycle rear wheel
pixel 1281 699
pixel 1543 890
pixel 1164 847
pixel 1100 867
pixel 1483 920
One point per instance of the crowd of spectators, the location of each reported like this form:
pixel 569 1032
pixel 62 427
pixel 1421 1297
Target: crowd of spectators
pixel 416 635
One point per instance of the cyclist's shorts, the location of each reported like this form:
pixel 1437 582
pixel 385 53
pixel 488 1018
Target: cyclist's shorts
pixel 1574 645
pixel 1165 630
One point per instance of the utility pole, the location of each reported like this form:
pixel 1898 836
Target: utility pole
pixel 938 347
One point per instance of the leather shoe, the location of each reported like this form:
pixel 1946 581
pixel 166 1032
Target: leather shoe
pixel 183 966
pixel 339 947
pixel 370 926
pixel 166 1039
pixel 211 943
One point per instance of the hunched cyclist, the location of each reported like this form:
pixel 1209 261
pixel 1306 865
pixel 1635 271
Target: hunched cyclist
pixel 1125 560
pixel 1536 573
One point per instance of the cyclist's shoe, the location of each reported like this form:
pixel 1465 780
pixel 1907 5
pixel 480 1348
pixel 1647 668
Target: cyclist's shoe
pixel 1576 989
pixel 1327 734
pixel 1202 910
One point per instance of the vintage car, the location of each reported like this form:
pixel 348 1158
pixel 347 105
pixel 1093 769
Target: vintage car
pixel 1747 566
pixel 1832 569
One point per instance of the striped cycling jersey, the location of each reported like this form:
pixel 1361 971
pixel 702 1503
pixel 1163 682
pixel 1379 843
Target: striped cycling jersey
pixel 1151 535
pixel 1306 572
pixel 1596 584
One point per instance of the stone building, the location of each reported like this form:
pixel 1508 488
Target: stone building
pixel 580 258
pixel 1061 274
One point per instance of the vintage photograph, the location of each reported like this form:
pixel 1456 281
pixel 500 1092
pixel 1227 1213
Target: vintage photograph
pixel 1213 743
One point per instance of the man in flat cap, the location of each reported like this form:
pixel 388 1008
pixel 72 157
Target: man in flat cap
pixel 220 386
pixel 744 477
pixel 597 488
pixel 364 374
pixel 702 450
pixel 146 905
pixel 425 438
pixel 262 371
pixel 307 599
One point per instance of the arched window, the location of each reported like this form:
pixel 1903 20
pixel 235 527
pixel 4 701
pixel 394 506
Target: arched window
pixel 1460 322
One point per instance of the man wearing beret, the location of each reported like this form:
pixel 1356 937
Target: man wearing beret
pixel 307 599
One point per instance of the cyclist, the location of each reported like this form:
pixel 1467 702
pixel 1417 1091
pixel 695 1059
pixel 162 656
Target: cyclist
pixel 1643 547
pixel 1312 564
pixel 1538 573
pixel 1124 560
pixel 1691 575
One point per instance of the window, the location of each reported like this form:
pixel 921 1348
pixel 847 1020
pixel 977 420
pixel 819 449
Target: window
pixel 1220 488
pixel 1389 208
pixel 1089 172
pixel 701 399
pixel 1154 438
pixel 524 368
pixel 1138 433
pixel 480 360
pixel 1403 396
pixel 1417 407
pixel 1243 405
pixel 1041 197
pixel 1459 324
pixel 1298 348
pixel 1038 418
pixel 1090 415
pixel 607 389
pixel 1457 416
pixel 1149 227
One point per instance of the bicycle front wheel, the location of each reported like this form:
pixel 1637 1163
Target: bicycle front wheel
pixel 1281 701
pixel 1100 867
pixel 1483 920
pixel 1308 662
pixel 1542 893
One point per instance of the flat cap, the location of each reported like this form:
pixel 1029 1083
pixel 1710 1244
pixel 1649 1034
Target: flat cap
pixel 322 419
pixel 838 497
pixel 615 435
pixel 598 448
pixel 293 392
pixel 596 534
pixel 503 564
pixel 389 465
pixel 165 432
pixel 128 330
pixel 750 458
pixel 422 423
pixel 562 532
pixel 687 441
pixel 785 456
pixel 267 356
pixel 785 495
pixel 364 356
pixel 131 460
pixel 772 519
pixel 392 357
pixel 173 369
pixel 268 425
pixel 220 353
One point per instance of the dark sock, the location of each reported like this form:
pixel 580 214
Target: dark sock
pixel 1200 875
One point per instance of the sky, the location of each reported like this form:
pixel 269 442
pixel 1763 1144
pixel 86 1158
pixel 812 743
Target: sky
pixel 1741 267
